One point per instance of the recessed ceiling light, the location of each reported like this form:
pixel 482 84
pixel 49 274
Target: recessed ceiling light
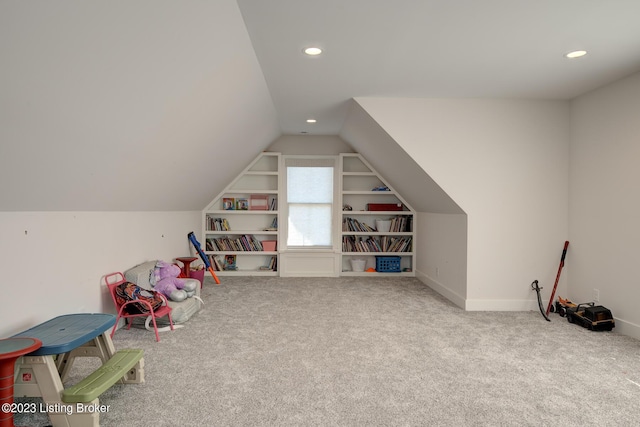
pixel 576 54
pixel 313 51
pixel 311 120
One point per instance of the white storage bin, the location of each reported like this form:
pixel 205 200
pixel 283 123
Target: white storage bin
pixel 358 264
pixel 383 225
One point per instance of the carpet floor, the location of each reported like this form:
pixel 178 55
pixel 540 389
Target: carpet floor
pixel 368 352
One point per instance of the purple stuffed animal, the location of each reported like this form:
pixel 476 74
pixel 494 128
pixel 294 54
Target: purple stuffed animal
pixel 168 283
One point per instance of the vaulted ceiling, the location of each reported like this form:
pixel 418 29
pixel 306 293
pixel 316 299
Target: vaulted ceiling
pixel 157 104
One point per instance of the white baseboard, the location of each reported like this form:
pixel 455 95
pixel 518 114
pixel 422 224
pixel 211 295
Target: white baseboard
pixel 622 326
pixel 501 305
pixel 441 289
pixel 627 328
pixel 477 304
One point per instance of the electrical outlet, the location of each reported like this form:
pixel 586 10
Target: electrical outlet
pixel 596 295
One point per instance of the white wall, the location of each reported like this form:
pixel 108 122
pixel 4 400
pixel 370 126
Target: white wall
pixel 316 145
pixel 397 167
pixel 441 254
pixel 53 261
pixel 604 200
pixel 504 162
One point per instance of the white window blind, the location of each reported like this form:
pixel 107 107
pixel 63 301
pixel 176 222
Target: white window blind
pixel 310 202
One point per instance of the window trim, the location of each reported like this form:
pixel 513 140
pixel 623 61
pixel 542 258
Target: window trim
pixel 310 161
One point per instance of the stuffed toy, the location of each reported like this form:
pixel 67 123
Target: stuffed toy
pixel 168 283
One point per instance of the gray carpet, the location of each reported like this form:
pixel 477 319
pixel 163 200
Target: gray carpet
pixel 370 352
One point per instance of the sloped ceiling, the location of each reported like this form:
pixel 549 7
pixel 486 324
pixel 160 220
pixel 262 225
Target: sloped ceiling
pixel 401 172
pixel 121 105
pixel 158 104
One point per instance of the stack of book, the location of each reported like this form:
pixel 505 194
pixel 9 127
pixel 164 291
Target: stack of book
pixel 351 224
pixel 273 226
pixel 217 224
pixel 359 244
pixel 372 244
pixel 215 263
pixel 401 223
pixel 246 242
pixel 395 244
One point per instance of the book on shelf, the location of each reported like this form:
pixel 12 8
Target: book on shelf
pixel 217 224
pixel 243 243
pixel 352 224
pixel 373 244
pixel 230 262
pixel 273 226
pixel 215 263
pixel 401 223
pixel 273 203
pixel 272 265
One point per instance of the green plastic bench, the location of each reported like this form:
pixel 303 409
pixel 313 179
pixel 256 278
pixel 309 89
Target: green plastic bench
pixel 103 377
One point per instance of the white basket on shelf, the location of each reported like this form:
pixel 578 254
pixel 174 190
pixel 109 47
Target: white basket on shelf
pixel 358 264
pixel 383 226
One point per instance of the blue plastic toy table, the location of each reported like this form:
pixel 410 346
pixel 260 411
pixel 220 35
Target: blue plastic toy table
pixel 65 333
pixel 42 372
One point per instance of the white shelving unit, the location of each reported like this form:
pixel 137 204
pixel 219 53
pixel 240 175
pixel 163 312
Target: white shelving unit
pixel 261 179
pixel 357 182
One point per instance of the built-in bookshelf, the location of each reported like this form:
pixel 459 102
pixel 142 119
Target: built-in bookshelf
pixel 241 223
pixel 376 221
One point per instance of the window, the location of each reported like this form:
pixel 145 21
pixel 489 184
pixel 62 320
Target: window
pixel 310 202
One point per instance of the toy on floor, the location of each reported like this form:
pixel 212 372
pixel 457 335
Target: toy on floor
pixel 203 256
pixel 167 282
pixel 588 315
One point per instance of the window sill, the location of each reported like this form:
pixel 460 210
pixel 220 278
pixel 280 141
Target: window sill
pixel 309 250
